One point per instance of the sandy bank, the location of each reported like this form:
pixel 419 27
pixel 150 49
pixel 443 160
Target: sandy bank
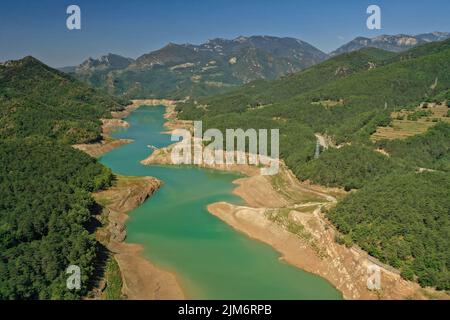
pixel 108 144
pixel 141 279
pixel 135 104
pixel 277 215
pixel 287 214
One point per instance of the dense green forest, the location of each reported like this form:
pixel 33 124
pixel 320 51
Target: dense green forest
pixel 346 98
pixel 46 208
pixel 430 150
pixel 350 167
pixel 403 219
pixel 354 166
pixel 38 100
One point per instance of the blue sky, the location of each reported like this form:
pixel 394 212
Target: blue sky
pixel 135 27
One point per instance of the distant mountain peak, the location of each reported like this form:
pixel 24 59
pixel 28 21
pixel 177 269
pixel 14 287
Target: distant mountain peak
pixel 28 60
pixel 394 43
pixel 109 61
pixel 240 39
pixel 214 66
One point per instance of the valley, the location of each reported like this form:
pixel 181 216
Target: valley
pixel 369 95
pixel 289 216
pixel 219 265
pixel 363 180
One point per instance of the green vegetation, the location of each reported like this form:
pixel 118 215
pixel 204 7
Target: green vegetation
pixel 113 290
pixel 351 167
pixel 265 93
pixel 430 150
pixel 37 100
pixel 403 220
pixel 370 83
pixel 46 208
pixel 349 98
pixel 419 114
pixel 180 71
pixel 45 212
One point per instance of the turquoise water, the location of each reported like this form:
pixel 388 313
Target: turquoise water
pixel 210 259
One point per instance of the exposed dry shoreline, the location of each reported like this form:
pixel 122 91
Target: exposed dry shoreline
pixel 273 213
pixel 108 144
pixel 141 279
pixel 287 214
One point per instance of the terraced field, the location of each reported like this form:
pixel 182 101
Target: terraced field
pixel 403 126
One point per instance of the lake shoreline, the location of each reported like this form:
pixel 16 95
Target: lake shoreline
pixel 345 268
pixel 108 143
pixel 141 279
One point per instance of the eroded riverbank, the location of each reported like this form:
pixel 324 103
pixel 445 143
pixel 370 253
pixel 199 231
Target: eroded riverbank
pixel 210 259
pixel 288 215
pixel 141 279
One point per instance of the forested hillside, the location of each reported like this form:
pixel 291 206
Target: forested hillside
pixel 347 107
pixel 46 208
pixel 403 219
pixel 351 167
pixel 346 99
pixel 430 150
pixel 38 100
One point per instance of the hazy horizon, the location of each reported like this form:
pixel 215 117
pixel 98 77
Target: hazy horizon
pixel 138 27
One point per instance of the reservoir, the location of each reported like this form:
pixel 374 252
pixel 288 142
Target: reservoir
pixel 210 259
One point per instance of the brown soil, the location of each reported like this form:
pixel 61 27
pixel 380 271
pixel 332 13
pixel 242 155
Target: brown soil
pixel 312 247
pixel 110 125
pixel 96 150
pixel 107 144
pixel 402 128
pixel 163 157
pixel 141 279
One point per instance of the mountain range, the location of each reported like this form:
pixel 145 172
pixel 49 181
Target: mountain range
pixel 395 214
pixel 394 43
pixel 180 70
pixel 185 70
pixel 345 98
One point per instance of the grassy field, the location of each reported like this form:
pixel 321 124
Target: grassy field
pixel 113 277
pixel 407 123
